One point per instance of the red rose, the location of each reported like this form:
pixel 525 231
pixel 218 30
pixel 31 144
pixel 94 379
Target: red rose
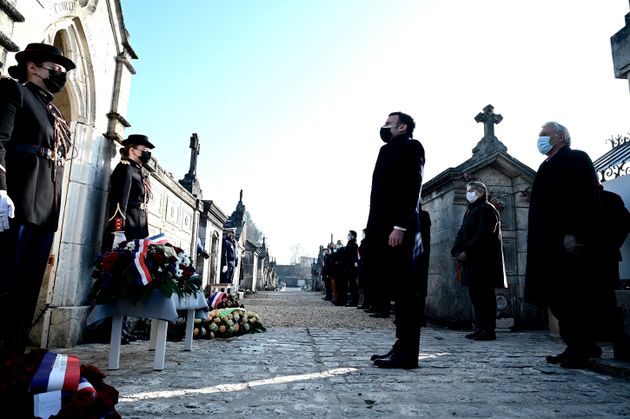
pixel 109 260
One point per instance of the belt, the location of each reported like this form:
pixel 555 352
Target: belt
pixel 42 152
pixel 137 205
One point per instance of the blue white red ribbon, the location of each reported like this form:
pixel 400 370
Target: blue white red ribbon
pixel 215 299
pixel 142 247
pixel 56 372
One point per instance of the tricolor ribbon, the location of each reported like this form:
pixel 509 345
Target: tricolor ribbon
pixel 215 298
pixel 56 372
pixel 143 275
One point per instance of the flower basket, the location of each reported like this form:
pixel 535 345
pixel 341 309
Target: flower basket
pixel 136 268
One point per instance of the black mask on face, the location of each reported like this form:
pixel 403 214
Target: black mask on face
pixel 56 81
pixel 145 156
pixel 386 134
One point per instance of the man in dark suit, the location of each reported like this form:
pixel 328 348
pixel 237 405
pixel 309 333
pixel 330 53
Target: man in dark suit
pixel 351 267
pixel 35 142
pixel 228 256
pixel 393 234
pixel 562 239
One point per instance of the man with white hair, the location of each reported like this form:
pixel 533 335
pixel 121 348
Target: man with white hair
pixel 562 237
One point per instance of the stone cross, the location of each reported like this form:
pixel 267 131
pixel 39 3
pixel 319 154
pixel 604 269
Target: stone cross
pixel 194 152
pixel 489 119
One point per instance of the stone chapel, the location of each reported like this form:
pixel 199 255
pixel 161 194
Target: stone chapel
pixel 509 182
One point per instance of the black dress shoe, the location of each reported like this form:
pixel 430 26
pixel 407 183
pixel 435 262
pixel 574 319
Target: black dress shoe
pixel 574 362
pixel 397 361
pixel 387 355
pixel 380 315
pixel 473 334
pixel 485 335
pixel 556 359
pixel 594 352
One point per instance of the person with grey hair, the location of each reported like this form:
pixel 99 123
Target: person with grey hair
pixel 564 210
pixel 478 248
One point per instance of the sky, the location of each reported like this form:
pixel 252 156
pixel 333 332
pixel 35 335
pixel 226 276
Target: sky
pixel 287 96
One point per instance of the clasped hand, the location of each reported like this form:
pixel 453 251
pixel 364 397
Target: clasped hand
pixel 570 243
pixel 7 210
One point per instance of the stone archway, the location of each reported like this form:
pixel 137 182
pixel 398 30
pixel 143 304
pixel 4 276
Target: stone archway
pixel 76 103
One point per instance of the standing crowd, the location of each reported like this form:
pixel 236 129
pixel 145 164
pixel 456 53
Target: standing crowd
pixel 575 232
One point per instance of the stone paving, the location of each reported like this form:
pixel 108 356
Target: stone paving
pixel 306 371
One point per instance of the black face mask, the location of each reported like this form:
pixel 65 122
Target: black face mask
pixel 56 81
pixel 386 134
pixel 145 156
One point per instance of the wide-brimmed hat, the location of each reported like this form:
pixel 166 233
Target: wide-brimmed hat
pixel 38 53
pixel 137 139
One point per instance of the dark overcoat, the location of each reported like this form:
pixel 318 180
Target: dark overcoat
pixel 564 200
pixel 31 181
pixel 351 259
pixel 396 185
pixel 615 228
pixel 127 193
pixel 228 258
pixel 480 238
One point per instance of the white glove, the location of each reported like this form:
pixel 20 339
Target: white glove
pixel 119 237
pixel 7 210
pixel 224 270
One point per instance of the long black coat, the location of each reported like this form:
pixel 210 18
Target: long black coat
pixel 24 119
pixel 396 185
pixel 228 258
pixel 564 200
pixel 480 238
pixel 351 259
pixel 127 192
pixel 615 229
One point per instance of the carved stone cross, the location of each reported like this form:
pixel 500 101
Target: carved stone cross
pixel 194 152
pixel 489 119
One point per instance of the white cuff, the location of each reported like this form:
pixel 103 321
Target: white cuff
pixel 2 168
pixel 400 228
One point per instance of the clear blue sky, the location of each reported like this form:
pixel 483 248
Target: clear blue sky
pixel 287 96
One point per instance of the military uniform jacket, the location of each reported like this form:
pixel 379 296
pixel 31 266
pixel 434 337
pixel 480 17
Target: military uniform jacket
pixel 31 181
pixel 126 191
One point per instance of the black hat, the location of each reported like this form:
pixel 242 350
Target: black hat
pixel 137 139
pixel 39 53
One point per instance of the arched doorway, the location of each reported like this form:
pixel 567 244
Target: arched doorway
pixel 76 103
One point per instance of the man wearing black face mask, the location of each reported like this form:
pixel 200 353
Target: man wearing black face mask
pixel 393 244
pixel 129 193
pixel 35 143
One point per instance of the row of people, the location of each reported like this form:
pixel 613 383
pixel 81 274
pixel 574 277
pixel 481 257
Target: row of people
pixel 575 230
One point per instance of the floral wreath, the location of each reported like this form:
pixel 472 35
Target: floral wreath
pixel 136 268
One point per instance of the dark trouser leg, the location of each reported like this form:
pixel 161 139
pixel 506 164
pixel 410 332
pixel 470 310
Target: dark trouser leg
pixel 485 306
pixel 354 289
pixel 341 289
pixel 24 252
pixel 409 309
pixel 575 324
pixel 328 287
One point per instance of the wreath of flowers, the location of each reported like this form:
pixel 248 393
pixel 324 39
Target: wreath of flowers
pixel 16 374
pixel 117 275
